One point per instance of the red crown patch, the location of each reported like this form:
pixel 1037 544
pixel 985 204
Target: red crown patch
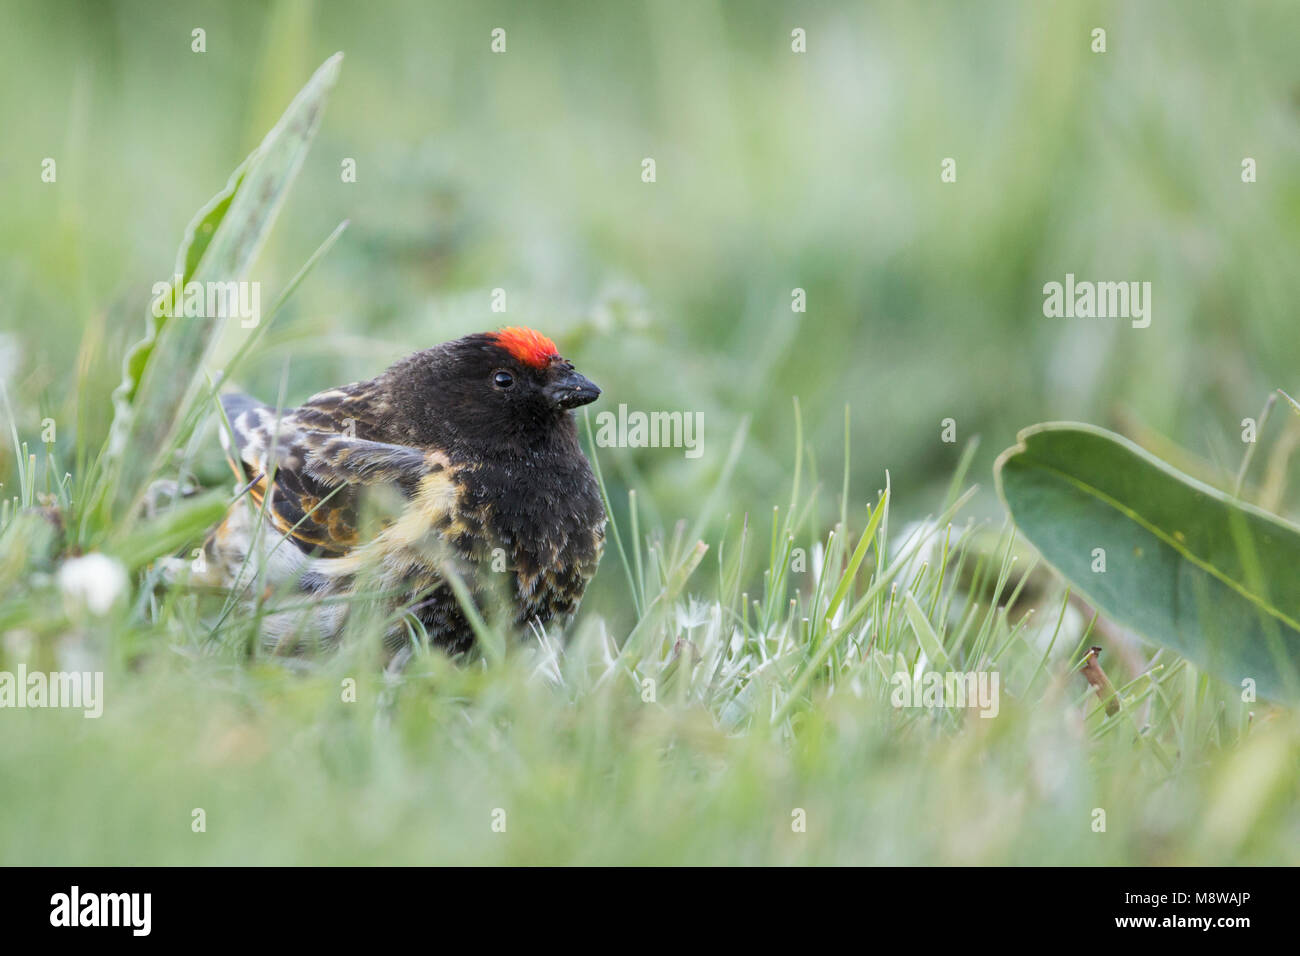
pixel 528 346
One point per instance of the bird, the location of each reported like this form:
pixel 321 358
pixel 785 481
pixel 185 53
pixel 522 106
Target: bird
pixel 459 463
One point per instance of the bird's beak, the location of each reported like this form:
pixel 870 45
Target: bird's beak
pixel 572 390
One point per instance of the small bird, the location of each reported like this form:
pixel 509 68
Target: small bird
pixel 472 447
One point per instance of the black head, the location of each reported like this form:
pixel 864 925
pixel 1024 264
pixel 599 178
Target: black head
pixel 489 393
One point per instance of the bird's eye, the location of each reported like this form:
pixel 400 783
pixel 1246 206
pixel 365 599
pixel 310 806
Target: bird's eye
pixel 502 379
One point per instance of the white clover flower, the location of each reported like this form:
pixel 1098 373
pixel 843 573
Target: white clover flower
pixel 93 581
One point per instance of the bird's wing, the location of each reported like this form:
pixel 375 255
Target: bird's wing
pixel 317 474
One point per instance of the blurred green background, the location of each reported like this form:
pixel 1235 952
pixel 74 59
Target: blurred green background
pixel 775 171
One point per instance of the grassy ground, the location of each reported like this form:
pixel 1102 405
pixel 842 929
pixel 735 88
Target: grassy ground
pixel 725 694
pixel 727 726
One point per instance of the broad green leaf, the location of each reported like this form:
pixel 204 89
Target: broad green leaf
pixel 1186 566
pixel 162 373
pixel 198 234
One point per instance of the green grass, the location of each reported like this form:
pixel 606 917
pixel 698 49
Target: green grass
pixel 771 695
pixel 769 589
